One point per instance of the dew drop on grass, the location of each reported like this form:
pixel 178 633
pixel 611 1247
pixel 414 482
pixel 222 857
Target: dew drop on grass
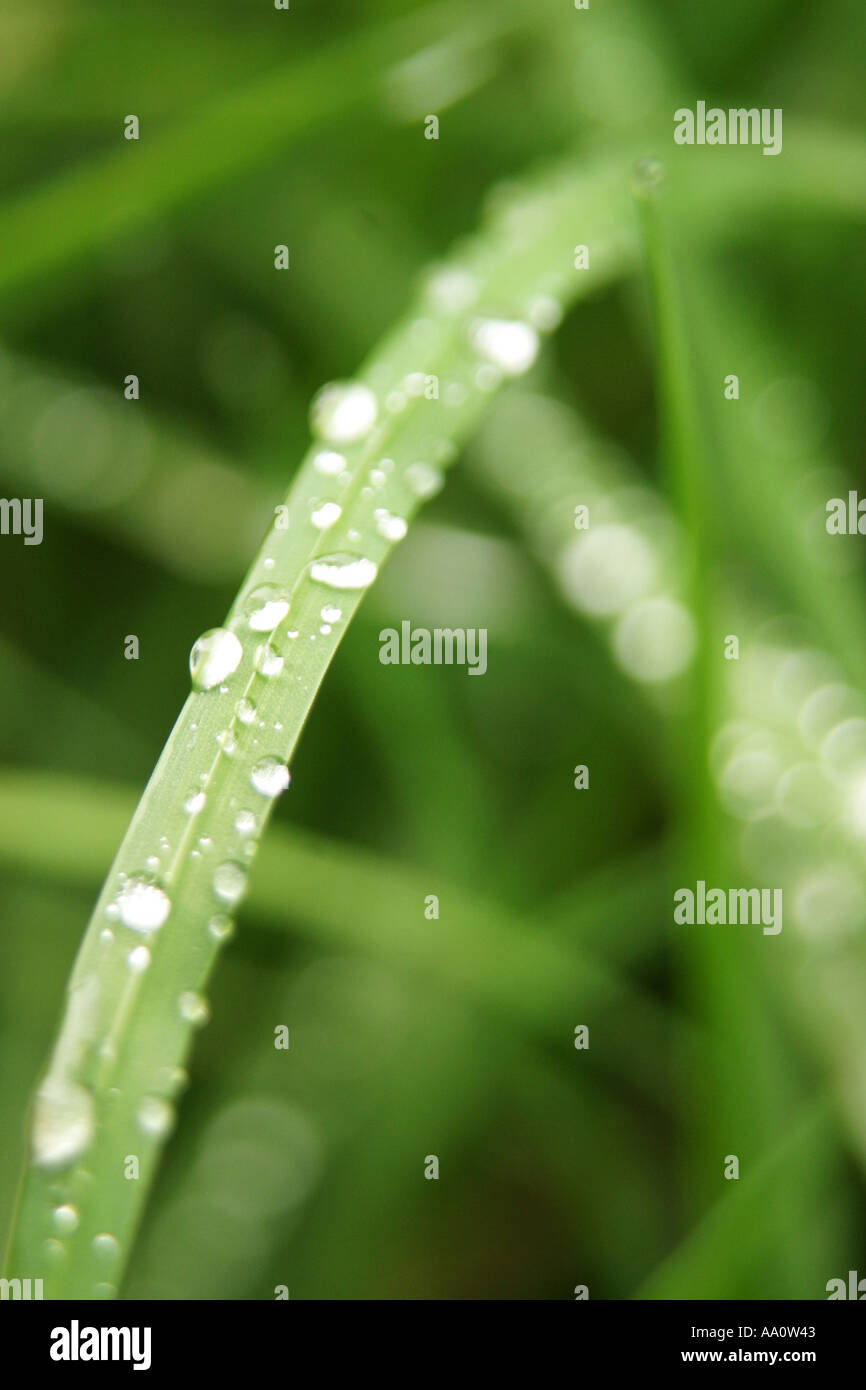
pixel 63 1122
pixel 106 1246
pixel 214 657
pixel 545 312
pixel 226 740
pixel 326 515
pixel 193 1008
pixel 508 343
pixel 423 479
pixel 265 608
pixel 220 928
pixel 268 662
pixel 65 1219
pixel 229 881
pixel 328 463
pixel 138 959
pixel 155 1115
pixel 330 614
pixel 245 711
pixel 142 904
pixel 194 803
pixel 343 412
pixel 392 528
pixel 452 289
pixel 245 823
pixel 270 776
pixel 343 571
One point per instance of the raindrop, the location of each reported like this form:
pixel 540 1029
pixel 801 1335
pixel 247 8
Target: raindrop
pixel 214 657
pixel 193 1008
pixel 270 776
pixel 393 528
pixel 65 1220
pixel 507 343
pixel 106 1246
pixel 245 710
pixel 220 928
pixel 194 803
pixel 142 904
pixel 63 1122
pixel 423 479
pixel 268 662
pixel 229 881
pixel 138 960
pixel 330 614
pixel 265 608
pixel 155 1115
pixel 328 463
pixel 325 516
pixel 226 740
pixel 343 571
pixel 245 823
pixel 343 412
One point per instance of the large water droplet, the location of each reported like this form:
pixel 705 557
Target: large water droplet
pixel 63 1122
pixel 343 412
pixel 265 608
pixel 326 515
pixel 343 571
pixel 107 1247
pixel 65 1219
pixel 214 657
pixel 507 343
pixel 229 881
pixel 270 776
pixel 142 904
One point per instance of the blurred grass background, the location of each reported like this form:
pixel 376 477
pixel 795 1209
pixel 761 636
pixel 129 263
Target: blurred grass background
pixel 451 1037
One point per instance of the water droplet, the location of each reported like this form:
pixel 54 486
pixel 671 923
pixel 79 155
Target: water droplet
pixel 229 881
pixel 507 343
pixel 423 479
pixel 325 516
pixel 142 904
pixel 268 562
pixel 65 1219
pixel 452 289
pixel 325 630
pixel 155 1115
pixel 265 608
pixel 328 463
pixel 245 711
pixel 226 740
pixel 194 803
pixel 214 657
pixel 343 412
pixel 205 842
pixel 414 383
pixel 270 776
pixel 106 1246
pixel 151 863
pixel 393 528
pixel 138 959
pixel 63 1122
pixel 193 1008
pixel 268 661
pixel 54 1252
pixel 112 914
pixel 220 927
pixel 545 313
pixel 245 823
pixel 343 571
pixel 330 614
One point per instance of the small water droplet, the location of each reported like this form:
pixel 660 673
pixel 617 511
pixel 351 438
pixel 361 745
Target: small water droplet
pixel 245 823
pixel 142 904
pixel 508 343
pixel 393 528
pixel 229 881
pixel 214 657
pixel 63 1122
pixel 268 562
pixel 226 740
pixel 220 927
pixel 265 607
pixel 193 1008
pixel 423 479
pixel 245 711
pixel 452 288
pixel 545 313
pixel 343 412
pixel 194 803
pixel 151 863
pixel 343 571
pixel 268 662
pixel 270 776
pixel 106 936
pixel 106 1246
pixel 325 515
pixel 328 463
pixel 155 1115
pixel 138 959
pixel 65 1219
